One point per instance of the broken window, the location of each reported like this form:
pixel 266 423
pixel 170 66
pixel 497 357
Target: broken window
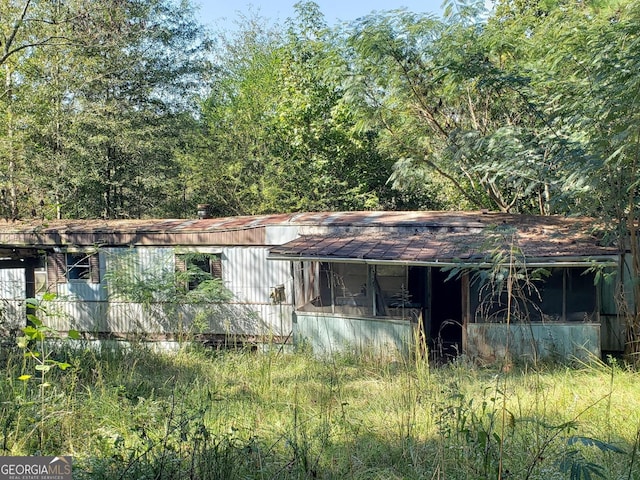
pixel 361 289
pixel 349 284
pixel 78 266
pixel 198 267
pixel 72 267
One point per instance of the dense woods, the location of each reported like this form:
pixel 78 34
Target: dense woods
pixel 127 109
pixel 130 108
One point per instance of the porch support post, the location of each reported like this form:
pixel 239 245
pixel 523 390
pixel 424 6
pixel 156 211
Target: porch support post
pixel 466 308
pixel 30 284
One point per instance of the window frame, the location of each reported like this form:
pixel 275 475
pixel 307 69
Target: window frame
pixel 186 259
pixel 57 267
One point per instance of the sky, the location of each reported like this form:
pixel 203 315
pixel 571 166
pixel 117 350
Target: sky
pixel 222 13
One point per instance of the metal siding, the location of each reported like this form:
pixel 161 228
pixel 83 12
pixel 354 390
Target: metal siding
pixel 328 334
pixel 533 341
pixel 246 273
pixel 13 314
pixel 250 277
pixel 84 291
pixel 240 319
pixel 612 331
pixel 12 284
pixel 279 234
pixel 142 263
pixel 65 314
pixel 13 293
pixel 628 281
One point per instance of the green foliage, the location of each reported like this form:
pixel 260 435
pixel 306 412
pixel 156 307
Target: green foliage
pixel 281 135
pixel 577 466
pixel 98 101
pixel 172 290
pixel 39 365
pixel 525 108
pixel 209 414
pixel 34 342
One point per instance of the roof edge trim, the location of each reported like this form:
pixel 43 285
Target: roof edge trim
pixel 602 261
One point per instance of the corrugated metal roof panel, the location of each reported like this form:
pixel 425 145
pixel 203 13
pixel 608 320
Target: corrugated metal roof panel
pixel 427 247
pixel 413 219
pixel 418 234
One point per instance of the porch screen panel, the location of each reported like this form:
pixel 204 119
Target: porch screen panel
pixel 562 294
pixel 581 295
pixel 551 290
pixel 350 284
pixel 392 280
pixel 343 285
pixel 306 276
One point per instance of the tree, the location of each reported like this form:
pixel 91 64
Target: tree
pixel 322 160
pixel 107 103
pixel 137 83
pixel 455 104
pixel 227 169
pixel 280 135
pixel 600 101
pixel 27 28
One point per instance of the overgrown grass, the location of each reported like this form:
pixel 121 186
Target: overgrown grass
pixel 135 414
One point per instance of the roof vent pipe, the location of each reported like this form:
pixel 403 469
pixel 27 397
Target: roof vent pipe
pixel 204 211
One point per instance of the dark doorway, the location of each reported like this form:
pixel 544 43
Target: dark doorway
pixel 417 281
pixel 446 314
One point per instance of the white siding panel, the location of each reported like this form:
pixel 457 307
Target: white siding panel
pixel 279 234
pixel 251 278
pixel 12 296
pixel 93 308
pixel 13 314
pixel 12 284
pixel 140 262
pixel 65 315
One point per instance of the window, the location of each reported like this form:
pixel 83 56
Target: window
pixel 72 267
pixel 78 266
pixel 40 276
pixel 358 288
pixel 199 267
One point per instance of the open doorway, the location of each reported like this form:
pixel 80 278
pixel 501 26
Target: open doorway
pixel 445 332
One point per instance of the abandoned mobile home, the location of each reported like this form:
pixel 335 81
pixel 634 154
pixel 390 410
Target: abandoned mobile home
pixel 452 282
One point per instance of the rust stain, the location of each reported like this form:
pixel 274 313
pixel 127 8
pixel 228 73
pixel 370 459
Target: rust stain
pixel 410 236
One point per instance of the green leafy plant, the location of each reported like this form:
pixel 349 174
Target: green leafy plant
pixel 37 344
pixel 577 465
pixel 34 341
pixel 183 298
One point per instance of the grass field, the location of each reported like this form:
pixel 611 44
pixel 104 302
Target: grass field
pixel 197 414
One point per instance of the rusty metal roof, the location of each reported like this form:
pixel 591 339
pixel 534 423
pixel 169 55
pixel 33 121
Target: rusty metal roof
pixel 410 236
pixel 455 237
pixel 137 226
pixel 363 219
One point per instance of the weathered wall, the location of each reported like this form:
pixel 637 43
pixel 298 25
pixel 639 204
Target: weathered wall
pixel 12 298
pixel 487 342
pixel 329 333
pixel 90 307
